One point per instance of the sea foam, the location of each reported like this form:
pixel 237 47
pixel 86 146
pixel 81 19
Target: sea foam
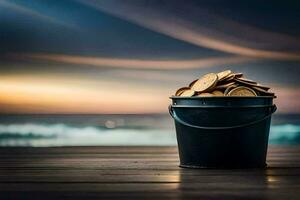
pixel 31 134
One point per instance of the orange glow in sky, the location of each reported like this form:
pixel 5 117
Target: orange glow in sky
pixel 129 57
pixel 134 63
pixel 35 96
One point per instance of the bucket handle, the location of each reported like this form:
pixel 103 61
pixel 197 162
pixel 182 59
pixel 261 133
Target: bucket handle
pixel 172 113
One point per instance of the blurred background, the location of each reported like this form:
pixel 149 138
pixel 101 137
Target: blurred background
pixel 100 72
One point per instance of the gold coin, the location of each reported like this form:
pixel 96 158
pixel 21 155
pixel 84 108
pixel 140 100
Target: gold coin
pixel 187 93
pixel 262 91
pixel 192 83
pixel 228 78
pixel 262 86
pixel 181 90
pixel 223 75
pixel 228 89
pixel 246 80
pixel 218 87
pixel 205 83
pixel 225 83
pixel 238 75
pixel 252 84
pixel 217 93
pixel 205 94
pixel 242 91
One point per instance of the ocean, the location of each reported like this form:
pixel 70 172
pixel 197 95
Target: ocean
pixel 42 130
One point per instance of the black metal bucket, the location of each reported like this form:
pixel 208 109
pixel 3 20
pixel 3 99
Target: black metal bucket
pixel 222 132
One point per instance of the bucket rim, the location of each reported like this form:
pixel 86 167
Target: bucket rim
pixel 224 97
pixel 234 107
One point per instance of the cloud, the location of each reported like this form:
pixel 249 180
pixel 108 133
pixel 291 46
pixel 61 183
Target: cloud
pixel 32 94
pixel 182 30
pixel 132 63
pixel 25 10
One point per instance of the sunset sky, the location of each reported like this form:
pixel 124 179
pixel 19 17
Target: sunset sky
pixel 120 56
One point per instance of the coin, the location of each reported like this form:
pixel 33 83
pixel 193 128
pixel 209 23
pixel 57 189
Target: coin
pixel 192 83
pixel 242 91
pixel 238 75
pixel 205 94
pixel 246 80
pixel 228 78
pixel 205 83
pixel 225 83
pixel 229 89
pixel 181 90
pixel 263 87
pixel 218 87
pixel 223 75
pixel 262 91
pixel 253 84
pixel 217 93
pixel 187 93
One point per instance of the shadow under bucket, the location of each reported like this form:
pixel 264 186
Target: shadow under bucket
pixel 222 132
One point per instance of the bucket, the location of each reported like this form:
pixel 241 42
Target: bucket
pixel 222 132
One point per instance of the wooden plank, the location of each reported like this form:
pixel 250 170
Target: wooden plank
pixel 143 187
pixel 139 172
pixel 117 150
pixel 270 171
pixel 89 150
pixel 169 178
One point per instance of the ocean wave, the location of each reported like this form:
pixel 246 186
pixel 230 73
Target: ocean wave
pixel 66 135
pixel 285 134
pixel 47 130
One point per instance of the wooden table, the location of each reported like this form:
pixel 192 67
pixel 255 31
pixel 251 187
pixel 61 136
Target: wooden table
pixel 139 173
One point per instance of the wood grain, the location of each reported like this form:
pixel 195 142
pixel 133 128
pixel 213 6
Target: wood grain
pixel 139 173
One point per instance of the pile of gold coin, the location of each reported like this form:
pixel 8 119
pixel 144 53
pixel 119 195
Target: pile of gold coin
pixel 225 83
